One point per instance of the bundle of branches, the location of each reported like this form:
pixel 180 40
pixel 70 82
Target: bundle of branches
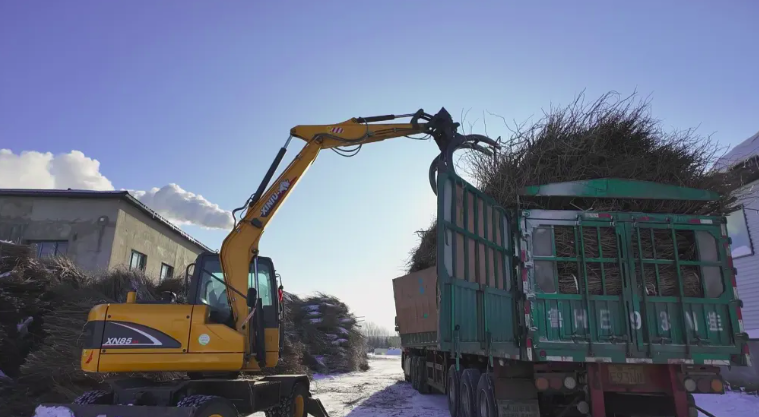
pixel 424 255
pixel 293 348
pixel 330 334
pixel 11 253
pixel 43 307
pixel 606 139
pixel 604 276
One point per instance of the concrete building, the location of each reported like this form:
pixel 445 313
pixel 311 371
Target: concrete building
pixel 96 230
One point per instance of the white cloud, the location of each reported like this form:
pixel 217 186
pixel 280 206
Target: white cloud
pixel 185 207
pixel 37 170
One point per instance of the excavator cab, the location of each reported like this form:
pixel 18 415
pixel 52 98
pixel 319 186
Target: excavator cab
pixel 206 287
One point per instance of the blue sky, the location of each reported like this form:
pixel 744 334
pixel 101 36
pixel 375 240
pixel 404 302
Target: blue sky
pixel 202 94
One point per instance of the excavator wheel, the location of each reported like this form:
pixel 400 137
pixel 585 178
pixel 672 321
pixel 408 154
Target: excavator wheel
pixel 293 405
pixel 209 406
pixel 94 397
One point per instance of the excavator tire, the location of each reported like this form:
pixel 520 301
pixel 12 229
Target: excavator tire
pixel 293 405
pixel 209 405
pixel 94 397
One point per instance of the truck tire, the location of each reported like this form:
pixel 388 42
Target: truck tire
pixel 414 373
pixel 485 397
pixel 94 397
pixel 293 404
pixel 468 392
pixel 421 372
pixel 452 387
pixel 209 405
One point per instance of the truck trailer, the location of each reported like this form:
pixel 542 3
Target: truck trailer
pixel 531 312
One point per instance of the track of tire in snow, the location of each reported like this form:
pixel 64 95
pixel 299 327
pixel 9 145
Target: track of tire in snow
pixel 382 392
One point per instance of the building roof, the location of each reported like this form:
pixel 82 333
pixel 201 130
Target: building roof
pixel 123 195
pixel 742 152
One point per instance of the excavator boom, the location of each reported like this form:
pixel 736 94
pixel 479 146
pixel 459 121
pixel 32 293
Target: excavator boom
pixel 242 243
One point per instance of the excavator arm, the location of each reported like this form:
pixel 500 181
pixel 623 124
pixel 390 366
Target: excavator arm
pixel 241 245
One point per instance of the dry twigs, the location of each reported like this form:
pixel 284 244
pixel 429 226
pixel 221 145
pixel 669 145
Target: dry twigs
pixel 605 139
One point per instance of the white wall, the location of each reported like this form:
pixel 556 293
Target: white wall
pixel 748 266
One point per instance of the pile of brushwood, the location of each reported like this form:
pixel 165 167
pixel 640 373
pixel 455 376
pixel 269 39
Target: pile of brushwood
pixel 44 304
pixel 610 138
pixel 322 336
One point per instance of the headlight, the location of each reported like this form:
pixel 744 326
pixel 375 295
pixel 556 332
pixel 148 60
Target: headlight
pixel 690 385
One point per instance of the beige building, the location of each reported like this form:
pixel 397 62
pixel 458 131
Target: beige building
pixel 96 230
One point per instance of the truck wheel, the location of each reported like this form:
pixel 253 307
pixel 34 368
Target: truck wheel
pixel 485 397
pixel 293 405
pixel 209 405
pixel 421 372
pixel 414 373
pixel 452 386
pixel 468 392
pixel 94 397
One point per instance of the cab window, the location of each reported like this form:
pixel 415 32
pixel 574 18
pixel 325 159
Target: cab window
pixel 264 283
pixel 212 291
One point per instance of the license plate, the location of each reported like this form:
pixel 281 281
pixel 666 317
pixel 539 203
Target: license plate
pixel 508 408
pixel 626 375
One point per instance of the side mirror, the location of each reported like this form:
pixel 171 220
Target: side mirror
pixel 252 296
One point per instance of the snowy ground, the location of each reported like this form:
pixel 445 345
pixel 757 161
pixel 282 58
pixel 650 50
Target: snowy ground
pixel 382 392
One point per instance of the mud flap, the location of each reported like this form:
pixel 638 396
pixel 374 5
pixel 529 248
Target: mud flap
pixel 96 410
pixel 314 407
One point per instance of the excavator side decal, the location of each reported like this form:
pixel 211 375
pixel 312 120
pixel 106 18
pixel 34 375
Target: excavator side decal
pixel 283 187
pixel 127 335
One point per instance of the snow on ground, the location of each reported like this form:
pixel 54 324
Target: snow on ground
pixel 382 392
pixel 379 392
pixel 731 404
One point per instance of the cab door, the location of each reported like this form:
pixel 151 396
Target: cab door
pixel 262 277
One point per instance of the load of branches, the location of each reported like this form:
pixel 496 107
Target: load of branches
pixel 608 138
pixel 44 305
pixel 330 332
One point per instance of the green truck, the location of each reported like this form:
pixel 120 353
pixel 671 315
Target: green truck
pixel 571 313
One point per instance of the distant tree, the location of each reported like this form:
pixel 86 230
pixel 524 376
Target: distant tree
pixel 377 336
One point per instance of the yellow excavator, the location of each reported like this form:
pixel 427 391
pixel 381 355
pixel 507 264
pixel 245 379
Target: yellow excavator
pixel 232 320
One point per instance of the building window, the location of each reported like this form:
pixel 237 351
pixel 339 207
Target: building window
pixel 49 248
pixel 138 261
pixel 167 271
pixel 737 229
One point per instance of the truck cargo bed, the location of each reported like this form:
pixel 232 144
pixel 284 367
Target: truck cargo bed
pixel 573 286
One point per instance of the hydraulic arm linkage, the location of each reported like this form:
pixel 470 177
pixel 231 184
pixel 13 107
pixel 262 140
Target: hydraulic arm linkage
pixel 241 245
